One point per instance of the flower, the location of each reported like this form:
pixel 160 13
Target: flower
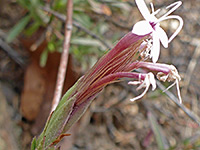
pixel 151 25
pixel 171 76
pixel 148 80
pixel 164 73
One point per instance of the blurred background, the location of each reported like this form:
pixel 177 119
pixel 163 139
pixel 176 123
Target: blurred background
pixel 31 41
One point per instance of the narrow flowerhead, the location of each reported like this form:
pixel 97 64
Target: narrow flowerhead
pixel 120 62
pixel 151 25
pixel 111 67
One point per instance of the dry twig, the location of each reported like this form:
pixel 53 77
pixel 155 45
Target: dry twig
pixel 12 53
pixel 64 56
pixel 193 116
pixel 191 67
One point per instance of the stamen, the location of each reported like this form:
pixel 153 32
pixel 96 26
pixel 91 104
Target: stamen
pixel 178 29
pixel 177 88
pixel 145 54
pixel 178 91
pixel 166 17
pixel 172 75
pixel 176 5
pixel 156 12
pixel 141 95
pixel 153 11
pixel 152 7
pixel 169 86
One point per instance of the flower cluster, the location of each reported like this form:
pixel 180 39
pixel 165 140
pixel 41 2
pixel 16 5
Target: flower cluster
pixel 151 25
pixel 129 54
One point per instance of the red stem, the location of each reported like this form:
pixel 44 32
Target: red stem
pixel 98 86
pixel 164 68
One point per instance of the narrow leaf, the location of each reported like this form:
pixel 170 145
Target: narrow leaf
pixel 87 42
pixel 68 94
pixel 15 31
pixel 77 113
pixel 160 138
pixel 33 144
pixel 43 58
pixel 56 123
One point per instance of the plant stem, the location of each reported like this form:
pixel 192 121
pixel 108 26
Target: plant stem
pixel 64 57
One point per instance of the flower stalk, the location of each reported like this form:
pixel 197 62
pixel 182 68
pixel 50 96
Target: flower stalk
pixel 110 68
pixel 129 54
pixel 116 64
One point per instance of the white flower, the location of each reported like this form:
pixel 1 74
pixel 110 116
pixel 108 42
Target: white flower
pixel 171 76
pixel 149 80
pixel 151 26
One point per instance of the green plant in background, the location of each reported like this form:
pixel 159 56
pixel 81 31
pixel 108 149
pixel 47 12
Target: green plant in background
pixel 88 14
pixel 33 13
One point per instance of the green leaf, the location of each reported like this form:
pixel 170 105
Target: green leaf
pixel 33 144
pixel 56 123
pixel 58 118
pixel 83 19
pixel 51 46
pixel 59 4
pixel 32 29
pixel 15 31
pixel 80 110
pixel 43 58
pixel 68 93
pixel 87 42
pixel 122 5
pixel 26 4
pixel 160 138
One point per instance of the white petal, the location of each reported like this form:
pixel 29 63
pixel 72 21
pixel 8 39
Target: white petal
pixel 142 28
pixel 178 29
pixel 152 81
pixel 178 91
pixel 162 36
pixel 155 52
pixel 143 9
pixel 141 95
pixel 134 82
pixel 149 80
